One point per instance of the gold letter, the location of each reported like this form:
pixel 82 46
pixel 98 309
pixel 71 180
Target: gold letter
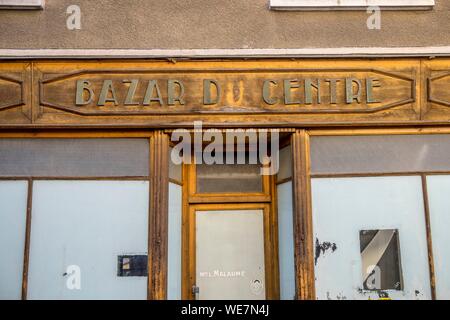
pixel 83 85
pixel 131 92
pixel 266 92
pixel 207 100
pixel 171 92
pixel 370 84
pixel 152 85
pixel 333 90
pixel 308 91
pixel 288 85
pixel 350 93
pixel 106 88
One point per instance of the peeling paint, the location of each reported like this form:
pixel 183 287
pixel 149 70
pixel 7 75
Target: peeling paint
pixel 340 296
pixel 383 294
pixel 322 247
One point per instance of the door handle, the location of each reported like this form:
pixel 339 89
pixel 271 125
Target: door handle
pixel 195 292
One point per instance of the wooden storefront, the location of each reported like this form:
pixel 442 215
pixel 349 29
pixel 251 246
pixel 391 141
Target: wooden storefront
pixel 300 98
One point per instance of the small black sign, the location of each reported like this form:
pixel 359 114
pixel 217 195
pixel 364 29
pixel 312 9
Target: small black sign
pixel 132 266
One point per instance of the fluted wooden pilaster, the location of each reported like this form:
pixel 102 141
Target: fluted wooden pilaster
pixel 303 233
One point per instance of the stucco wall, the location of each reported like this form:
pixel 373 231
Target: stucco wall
pixel 192 24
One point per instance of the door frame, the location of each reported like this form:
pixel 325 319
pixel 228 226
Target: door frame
pixel 270 246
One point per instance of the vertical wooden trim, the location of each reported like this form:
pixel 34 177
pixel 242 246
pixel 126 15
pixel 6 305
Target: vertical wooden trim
pixel 273 238
pixel 26 255
pixel 429 238
pixel 303 233
pixel 186 281
pixel 158 216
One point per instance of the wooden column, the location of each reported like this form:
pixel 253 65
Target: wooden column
pixel 158 216
pixel 303 234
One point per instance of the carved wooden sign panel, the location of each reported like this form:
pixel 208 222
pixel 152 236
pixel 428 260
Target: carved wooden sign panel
pixel 164 94
pixel 238 91
pixel 439 89
pixel 11 92
pixel 437 101
pixel 15 93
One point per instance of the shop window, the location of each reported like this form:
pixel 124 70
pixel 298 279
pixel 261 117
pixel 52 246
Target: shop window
pixel 89 157
pixel 285 172
pixel 362 222
pixel 439 201
pixel 229 178
pixel 22 4
pixel 349 4
pixel 13 211
pixel 285 226
pixel 380 154
pixel 80 230
pixel 174 238
pixel 380 259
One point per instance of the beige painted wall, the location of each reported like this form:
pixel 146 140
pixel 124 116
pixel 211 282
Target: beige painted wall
pixel 191 24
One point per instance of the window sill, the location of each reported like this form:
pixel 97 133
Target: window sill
pixel 309 5
pixel 22 4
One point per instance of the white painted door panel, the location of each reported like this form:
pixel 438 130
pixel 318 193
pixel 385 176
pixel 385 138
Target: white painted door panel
pixel 230 255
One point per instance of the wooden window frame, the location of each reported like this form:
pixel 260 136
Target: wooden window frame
pixel 195 197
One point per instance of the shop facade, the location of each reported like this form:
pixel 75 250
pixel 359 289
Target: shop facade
pixel 90 187
pixel 264 149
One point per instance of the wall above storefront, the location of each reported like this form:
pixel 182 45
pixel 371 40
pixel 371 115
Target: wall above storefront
pixel 214 24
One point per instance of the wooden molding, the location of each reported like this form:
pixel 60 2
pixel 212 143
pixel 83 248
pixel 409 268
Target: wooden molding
pixel 303 233
pixel 158 216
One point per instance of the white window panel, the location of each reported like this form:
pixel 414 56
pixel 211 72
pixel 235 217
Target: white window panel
pixel 286 241
pixel 438 191
pixel 349 4
pixel 13 210
pixel 342 207
pixel 87 224
pixel 174 252
pixel 21 4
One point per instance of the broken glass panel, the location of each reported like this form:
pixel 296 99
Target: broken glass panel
pixel 380 255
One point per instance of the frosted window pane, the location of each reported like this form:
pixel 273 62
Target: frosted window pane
pixel 285 171
pixel 74 157
pixel 286 241
pixel 13 210
pixel 225 178
pixel 174 257
pixel 439 200
pixel 87 224
pixel 375 154
pixel 342 207
pixel 175 170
